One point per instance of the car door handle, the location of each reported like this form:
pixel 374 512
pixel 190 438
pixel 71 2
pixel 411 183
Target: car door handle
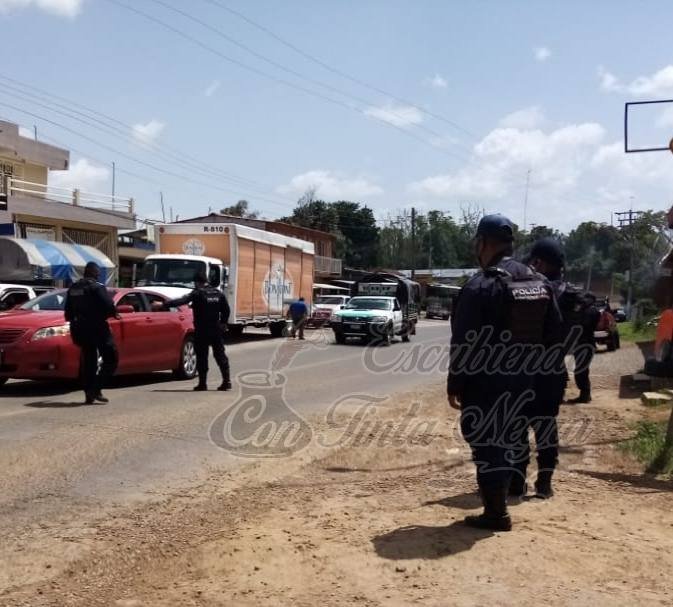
pixel 149 319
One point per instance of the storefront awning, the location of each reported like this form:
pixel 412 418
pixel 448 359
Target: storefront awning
pixel 26 260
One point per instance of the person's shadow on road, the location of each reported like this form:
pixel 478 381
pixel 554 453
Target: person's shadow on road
pixel 420 542
pixel 464 501
pixel 46 404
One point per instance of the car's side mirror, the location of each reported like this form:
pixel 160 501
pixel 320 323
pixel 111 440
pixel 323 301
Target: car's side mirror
pixel 341 307
pixel 125 309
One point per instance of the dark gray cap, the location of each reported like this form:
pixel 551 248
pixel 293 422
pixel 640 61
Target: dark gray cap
pixel 496 226
pixel 548 250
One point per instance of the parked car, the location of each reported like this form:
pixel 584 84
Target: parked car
pixel 35 340
pixel 12 296
pixel 607 332
pixel 324 309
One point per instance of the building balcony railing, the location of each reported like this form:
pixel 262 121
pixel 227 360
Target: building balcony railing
pixel 102 202
pixel 327 265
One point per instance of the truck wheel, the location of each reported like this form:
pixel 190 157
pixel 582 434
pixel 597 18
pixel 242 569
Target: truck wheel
pixel 617 344
pixel 277 328
pixel 187 368
pixel 610 343
pixel 339 337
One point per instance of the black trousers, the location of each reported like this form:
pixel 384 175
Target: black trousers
pixel 583 357
pixel 541 416
pixel 202 343
pixel 94 378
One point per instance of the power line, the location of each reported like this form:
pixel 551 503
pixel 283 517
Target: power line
pixel 171 174
pixel 162 149
pixel 282 67
pixel 278 80
pixel 337 71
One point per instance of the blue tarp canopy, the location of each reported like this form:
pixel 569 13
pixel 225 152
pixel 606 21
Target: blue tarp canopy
pixel 26 259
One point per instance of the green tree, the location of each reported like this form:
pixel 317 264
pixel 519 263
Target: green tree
pixel 240 209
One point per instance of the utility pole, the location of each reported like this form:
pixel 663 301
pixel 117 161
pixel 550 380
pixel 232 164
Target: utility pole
pixel 35 131
pixel 626 219
pixel 525 200
pixel 114 177
pixel 413 242
pixel 163 208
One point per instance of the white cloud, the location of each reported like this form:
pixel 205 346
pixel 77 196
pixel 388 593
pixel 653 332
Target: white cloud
pixel 62 8
pixel 654 85
pixel 542 53
pixel 211 89
pixel 82 175
pixel 568 166
pixel 397 115
pixel 665 119
pixel 436 82
pixel 331 186
pixel 146 134
pixel 528 118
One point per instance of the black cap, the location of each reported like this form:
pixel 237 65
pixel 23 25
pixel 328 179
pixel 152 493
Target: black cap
pixel 200 278
pixel 548 250
pixel 496 226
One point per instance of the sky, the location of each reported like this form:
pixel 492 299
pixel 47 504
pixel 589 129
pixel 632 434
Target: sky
pixel 506 106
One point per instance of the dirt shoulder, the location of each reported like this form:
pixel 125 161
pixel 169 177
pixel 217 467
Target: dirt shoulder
pixel 366 521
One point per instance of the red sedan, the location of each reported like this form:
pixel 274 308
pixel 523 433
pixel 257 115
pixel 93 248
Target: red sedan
pixel 35 339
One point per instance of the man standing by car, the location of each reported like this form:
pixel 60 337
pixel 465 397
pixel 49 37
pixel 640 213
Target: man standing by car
pixel 298 311
pixel 506 304
pixel 88 306
pixel 211 314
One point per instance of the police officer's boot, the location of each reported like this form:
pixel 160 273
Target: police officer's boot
pixel 543 488
pixel 202 386
pixel 518 487
pixel 225 386
pixel 495 516
pixel 583 399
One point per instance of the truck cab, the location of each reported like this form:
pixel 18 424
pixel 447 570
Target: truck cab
pixel 372 317
pixel 173 275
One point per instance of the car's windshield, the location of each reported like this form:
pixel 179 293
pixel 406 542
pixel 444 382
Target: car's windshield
pixel 369 304
pixel 49 301
pixel 329 301
pixel 170 272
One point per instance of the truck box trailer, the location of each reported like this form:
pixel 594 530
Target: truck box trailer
pixel 260 272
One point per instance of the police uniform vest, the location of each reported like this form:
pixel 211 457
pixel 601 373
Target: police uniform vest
pixel 526 301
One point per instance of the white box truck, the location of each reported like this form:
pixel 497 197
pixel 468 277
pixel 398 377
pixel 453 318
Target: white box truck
pixel 260 272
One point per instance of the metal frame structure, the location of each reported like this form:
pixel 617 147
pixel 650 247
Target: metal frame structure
pixel 626 127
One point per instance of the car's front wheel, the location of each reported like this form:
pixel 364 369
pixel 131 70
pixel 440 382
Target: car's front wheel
pixel 187 368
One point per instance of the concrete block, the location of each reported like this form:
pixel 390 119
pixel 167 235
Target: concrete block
pixel 654 399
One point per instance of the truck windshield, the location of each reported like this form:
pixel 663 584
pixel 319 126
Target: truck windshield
pixel 170 272
pixel 369 304
pixel 329 301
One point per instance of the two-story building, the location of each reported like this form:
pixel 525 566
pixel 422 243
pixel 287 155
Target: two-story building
pixel 31 208
pixel 326 264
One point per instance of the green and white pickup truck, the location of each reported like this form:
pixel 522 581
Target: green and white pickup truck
pixel 386 306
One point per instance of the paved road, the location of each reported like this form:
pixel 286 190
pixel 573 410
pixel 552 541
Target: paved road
pixel 154 433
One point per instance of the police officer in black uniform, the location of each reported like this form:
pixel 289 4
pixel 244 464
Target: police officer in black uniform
pixel 88 306
pixel 547 257
pixel 211 314
pixel 506 304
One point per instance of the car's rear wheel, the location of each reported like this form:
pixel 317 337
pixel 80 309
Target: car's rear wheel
pixel 339 337
pixel 187 368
